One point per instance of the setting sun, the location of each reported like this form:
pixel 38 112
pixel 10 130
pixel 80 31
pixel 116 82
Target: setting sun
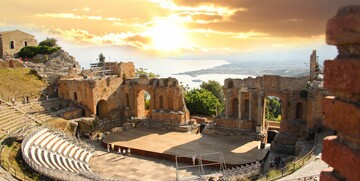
pixel 166 35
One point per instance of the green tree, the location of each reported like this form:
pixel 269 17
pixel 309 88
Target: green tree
pixel 201 101
pixel 142 71
pixel 273 109
pixel 50 42
pixel 217 90
pixel 101 59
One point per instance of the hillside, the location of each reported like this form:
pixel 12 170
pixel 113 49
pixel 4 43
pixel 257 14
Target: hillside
pixel 18 82
pixel 260 68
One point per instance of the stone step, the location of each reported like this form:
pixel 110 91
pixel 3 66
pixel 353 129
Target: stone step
pixel 13 126
pixel 11 123
pixel 10 117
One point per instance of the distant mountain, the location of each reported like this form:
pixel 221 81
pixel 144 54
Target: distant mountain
pixel 257 69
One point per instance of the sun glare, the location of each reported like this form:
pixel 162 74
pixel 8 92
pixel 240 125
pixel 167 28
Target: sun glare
pixel 167 35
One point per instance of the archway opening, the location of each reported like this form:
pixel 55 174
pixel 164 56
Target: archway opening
pixel 143 103
pixel 273 109
pixel 102 109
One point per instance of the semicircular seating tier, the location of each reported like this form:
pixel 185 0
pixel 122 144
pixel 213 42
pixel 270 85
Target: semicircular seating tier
pixel 56 156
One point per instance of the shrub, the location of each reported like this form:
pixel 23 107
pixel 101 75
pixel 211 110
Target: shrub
pixel 50 42
pixel 31 51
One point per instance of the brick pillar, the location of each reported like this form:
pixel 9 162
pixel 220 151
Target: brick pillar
pixel 239 105
pixel 260 108
pixel 227 99
pixel 251 93
pixel 342 111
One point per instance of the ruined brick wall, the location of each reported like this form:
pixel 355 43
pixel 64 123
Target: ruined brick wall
pixel 126 69
pixel 342 111
pixel 314 109
pixel 89 92
pixel 19 40
pixel 78 90
pixel 246 102
pixel 110 97
pixel 250 94
pixel 166 99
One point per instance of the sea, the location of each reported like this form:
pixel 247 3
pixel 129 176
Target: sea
pixel 172 68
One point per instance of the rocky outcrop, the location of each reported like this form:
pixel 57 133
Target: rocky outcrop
pixel 52 67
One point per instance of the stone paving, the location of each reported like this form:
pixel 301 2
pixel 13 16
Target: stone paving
pixel 236 149
pixel 111 166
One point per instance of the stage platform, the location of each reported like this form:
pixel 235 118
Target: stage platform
pixel 161 144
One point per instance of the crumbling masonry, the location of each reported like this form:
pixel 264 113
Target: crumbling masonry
pixel 120 95
pixel 300 99
pixel 342 111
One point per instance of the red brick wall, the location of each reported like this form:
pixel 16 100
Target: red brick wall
pixel 342 111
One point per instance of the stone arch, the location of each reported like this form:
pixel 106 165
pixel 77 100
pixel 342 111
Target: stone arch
pixel 143 111
pixel 102 109
pixel 299 110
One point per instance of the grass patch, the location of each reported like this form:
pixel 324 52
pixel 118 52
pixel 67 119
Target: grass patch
pixel 19 82
pixel 12 161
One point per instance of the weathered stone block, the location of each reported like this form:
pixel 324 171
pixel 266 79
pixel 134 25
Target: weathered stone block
pixel 200 119
pixel 291 127
pixel 341 116
pixel 282 138
pixel 342 76
pixel 327 175
pixel 344 28
pixel 341 157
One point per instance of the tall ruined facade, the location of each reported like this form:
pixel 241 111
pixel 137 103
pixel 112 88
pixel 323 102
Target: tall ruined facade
pixel 120 95
pixel 301 109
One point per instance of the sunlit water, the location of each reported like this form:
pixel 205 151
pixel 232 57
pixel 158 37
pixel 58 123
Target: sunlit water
pixel 169 68
pixel 195 82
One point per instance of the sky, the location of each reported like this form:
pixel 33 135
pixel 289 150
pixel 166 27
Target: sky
pixel 177 30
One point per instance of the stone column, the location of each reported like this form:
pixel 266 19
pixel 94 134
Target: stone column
pixel 250 104
pixel 239 105
pixel 227 97
pixel 260 108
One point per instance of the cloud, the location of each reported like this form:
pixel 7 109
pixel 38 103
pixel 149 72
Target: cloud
pixel 74 16
pixel 209 8
pixel 85 8
pixel 84 37
pixel 282 18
